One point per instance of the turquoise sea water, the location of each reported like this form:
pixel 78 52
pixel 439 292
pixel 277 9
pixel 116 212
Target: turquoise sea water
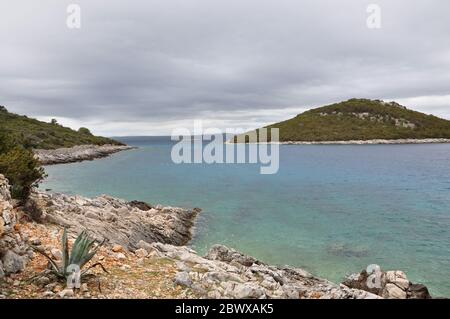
pixel 332 210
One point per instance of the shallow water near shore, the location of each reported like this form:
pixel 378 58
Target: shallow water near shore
pixel 331 209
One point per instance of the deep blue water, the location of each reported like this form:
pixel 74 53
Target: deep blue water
pixel 330 209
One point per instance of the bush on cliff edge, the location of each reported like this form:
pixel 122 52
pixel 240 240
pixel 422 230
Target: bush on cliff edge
pixel 19 166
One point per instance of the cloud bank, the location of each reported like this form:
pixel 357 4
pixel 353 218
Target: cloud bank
pixel 144 68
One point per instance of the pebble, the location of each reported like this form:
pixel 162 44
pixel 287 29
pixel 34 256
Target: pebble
pixel 141 253
pixel 140 262
pixel 56 253
pixel 120 256
pixel 48 294
pixel 125 267
pixel 66 293
pixel 117 248
pixel 35 241
pixel 42 281
pixel 84 288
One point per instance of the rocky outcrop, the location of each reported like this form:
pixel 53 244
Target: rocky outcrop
pixel 373 142
pixel 387 284
pixel 118 221
pixel 226 273
pixel 361 142
pixel 77 153
pixel 14 251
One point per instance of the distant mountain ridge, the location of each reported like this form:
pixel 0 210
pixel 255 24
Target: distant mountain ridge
pixel 36 134
pixel 361 119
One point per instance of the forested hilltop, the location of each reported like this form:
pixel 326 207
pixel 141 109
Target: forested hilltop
pixel 32 133
pixel 362 119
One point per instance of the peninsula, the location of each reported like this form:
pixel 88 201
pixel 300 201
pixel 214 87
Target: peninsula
pixel 53 143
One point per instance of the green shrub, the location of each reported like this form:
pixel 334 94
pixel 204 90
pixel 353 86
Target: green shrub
pixel 7 143
pixel 22 170
pixel 84 130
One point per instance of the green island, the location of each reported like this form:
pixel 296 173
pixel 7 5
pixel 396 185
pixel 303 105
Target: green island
pixel 359 119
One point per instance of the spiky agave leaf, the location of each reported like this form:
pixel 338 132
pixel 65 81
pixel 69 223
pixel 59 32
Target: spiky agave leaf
pixel 58 271
pixel 90 254
pixel 84 250
pixel 78 248
pixel 65 250
pixel 93 266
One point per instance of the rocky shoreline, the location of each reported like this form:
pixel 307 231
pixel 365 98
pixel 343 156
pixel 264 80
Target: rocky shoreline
pixel 146 256
pixel 116 220
pixel 77 153
pixel 361 142
pixel 373 142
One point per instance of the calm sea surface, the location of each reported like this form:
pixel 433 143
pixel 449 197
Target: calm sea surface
pixel 332 210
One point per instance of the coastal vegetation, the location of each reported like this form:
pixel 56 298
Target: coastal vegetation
pixel 361 119
pixel 20 135
pixel 83 250
pixel 35 134
pixel 19 166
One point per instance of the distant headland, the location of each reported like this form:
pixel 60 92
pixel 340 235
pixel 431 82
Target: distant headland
pixel 359 121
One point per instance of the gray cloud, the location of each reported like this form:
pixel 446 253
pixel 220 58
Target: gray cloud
pixel 140 67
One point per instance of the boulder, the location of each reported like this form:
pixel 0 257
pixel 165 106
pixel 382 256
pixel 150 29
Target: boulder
pixel 361 281
pixel 223 253
pixel 391 285
pixel 35 241
pixel 5 194
pixel 398 278
pixel 392 291
pixel 141 253
pixel 418 291
pixel 117 248
pixel 8 217
pixel 12 262
pixel 146 246
pixel 140 205
pixel 246 291
pixel 91 214
pixel 120 256
pixel 183 279
pixel 33 210
pixel 110 217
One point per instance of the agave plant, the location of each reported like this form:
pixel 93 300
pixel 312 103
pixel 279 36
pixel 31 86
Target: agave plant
pixel 83 250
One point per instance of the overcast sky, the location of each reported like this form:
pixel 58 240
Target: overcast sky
pixel 146 67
